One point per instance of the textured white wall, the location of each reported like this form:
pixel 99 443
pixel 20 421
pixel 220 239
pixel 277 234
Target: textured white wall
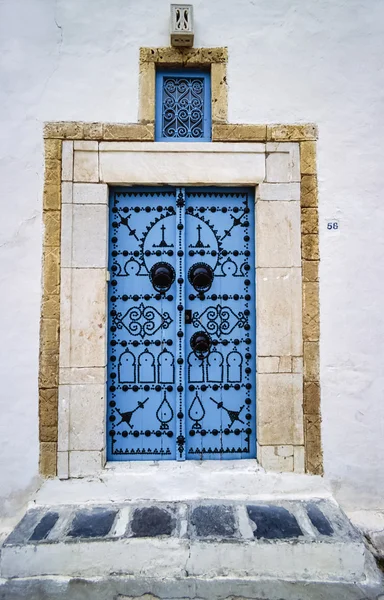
pixel 289 61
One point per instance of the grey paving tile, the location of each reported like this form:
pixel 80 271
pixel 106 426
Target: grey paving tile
pixel 319 520
pixel 91 523
pixel 216 520
pixel 43 528
pixel 152 521
pixel 273 522
pixel 24 529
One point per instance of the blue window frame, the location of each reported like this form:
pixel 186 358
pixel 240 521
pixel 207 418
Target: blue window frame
pixel 183 106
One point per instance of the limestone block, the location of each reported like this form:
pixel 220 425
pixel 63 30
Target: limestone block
pixel 267 364
pixel 311 398
pixel 282 162
pixel 52 171
pixel 311 361
pixel 64 130
pixel 52 149
pixel 63 413
pixel 275 364
pixel 48 373
pixel 280 409
pixel 310 270
pixel 66 192
pixel 51 220
pixel 51 270
pixel 182 56
pixel 272 461
pixel 297 133
pixel 238 132
pixel 278 234
pixel 298 459
pixel 90 193
pixel 92 146
pixel 66 235
pixel 285 364
pixel 308 191
pixel 309 221
pixel 65 317
pixel 278 191
pixel 308 158
pixel 219 93
pixel 48 415
pixel 297 364
pixel 131 132
pixel 147 84
pixel 284 451
pixel 310 247
pixel 311 311
pixel 47 461
pixel 48 408
pixel 63 465
pixel 67 161
pixel 86 166
pixel 279 315
pixel 49 331
pixel 50 357
pixel 313 458
pixel 182 163
pixel 88 341
pixel 84 463
pixel 93 131
pixel 89 238
pixel 50 307
pixel 75 375
pixel 87 417
pixel 52 196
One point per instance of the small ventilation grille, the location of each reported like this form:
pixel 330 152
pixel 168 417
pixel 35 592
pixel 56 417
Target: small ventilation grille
pixel 181 25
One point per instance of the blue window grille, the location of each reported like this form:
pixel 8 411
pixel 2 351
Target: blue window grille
pixel 183 106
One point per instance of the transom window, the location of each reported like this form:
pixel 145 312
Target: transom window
pixel 183 106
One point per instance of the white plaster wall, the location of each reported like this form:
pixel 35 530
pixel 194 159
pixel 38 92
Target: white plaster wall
pixel 290 61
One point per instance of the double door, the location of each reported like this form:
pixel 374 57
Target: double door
pixel 181 323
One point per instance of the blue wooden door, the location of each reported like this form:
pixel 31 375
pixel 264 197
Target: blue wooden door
pixel 181 376
pixel 220 295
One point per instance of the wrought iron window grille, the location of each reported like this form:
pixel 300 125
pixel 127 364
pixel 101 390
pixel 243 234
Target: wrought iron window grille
pixel 183 106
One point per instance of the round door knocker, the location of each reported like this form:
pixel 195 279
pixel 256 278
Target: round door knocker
pixel 162 275
pixel 201 344
pixel 200 276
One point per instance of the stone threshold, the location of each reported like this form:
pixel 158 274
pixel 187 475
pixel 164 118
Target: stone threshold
pixel 123 587
pixel 198 538
pixel 202 549
pixel 172 481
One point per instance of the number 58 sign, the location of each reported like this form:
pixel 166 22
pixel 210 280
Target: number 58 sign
pixel 333 225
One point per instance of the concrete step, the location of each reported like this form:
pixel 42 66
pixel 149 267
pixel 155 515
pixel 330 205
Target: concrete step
pixel 201 548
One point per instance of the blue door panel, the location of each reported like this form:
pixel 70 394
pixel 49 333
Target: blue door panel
pixel 168 398
pixel 142 327
pixel 220 395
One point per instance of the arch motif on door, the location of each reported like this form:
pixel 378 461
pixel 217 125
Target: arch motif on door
pixel 127 367
pixel 166 367
pixel 146 364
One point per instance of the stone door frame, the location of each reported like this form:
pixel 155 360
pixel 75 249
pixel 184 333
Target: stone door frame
pixel 82 160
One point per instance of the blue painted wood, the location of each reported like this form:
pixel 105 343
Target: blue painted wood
pixel 220 396
pixel 183 106
pixel 142 326
pixel 166 400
